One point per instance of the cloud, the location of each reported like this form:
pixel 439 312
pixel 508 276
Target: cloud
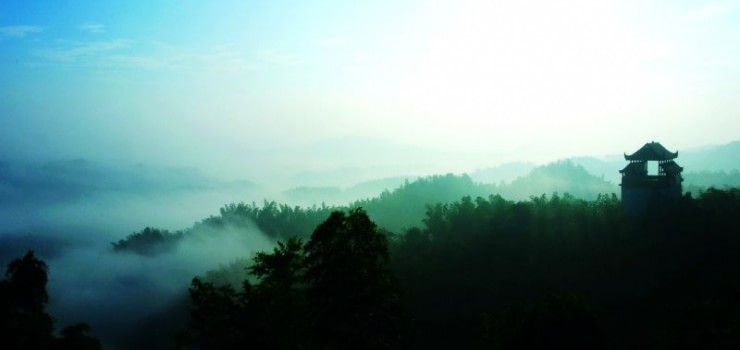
pixel 94 28
pixel 223 59
pixel 127 54
pixel 20 31
pixel 275 57
pixel 134 287
pixel 77 51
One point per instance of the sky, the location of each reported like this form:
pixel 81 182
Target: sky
pixel 250 89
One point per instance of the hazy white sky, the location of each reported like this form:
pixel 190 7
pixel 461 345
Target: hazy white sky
pixel 281 86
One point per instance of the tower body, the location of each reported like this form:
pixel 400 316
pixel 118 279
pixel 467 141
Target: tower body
pixel 642 190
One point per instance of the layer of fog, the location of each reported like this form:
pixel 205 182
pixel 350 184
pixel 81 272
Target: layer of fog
pixel 116 291
pixel 70 212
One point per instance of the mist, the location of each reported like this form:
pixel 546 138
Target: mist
pixel 116 291
pixel 115 118
pixel 71 216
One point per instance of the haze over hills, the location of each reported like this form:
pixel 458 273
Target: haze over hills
pixel 475 145
pixel 70 211
pixel 117 197
pixel 60 181
pixel 722 158
pixel 694 160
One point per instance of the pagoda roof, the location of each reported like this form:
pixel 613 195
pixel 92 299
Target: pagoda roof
pixel 671 168
pixel 652 151
pixel 634 168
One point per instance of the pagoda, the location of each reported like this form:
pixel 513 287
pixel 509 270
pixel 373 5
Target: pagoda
pixel 642 190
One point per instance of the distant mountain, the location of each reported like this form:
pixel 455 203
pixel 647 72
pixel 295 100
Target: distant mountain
pixel 695 182
pixel 334 195
pixel 502 173
pixel 344 177
pixel 606 168
pixel 722 158
pixel 59 181
pixel 393 209
pixel 307 195
pixel 561 177
pixel 347 161
pixel 713 158
pixel 517 181
pixel 405 206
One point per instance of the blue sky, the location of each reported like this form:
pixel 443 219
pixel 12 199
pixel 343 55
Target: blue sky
pixel 235 86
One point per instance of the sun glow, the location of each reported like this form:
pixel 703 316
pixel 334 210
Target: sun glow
pixel 525 66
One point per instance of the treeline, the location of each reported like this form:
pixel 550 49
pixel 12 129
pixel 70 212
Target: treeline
pixel 402 208
pixel 395 211
pixel 564 273
pixel 551 272
pixel 149 241
pixel 24 322
pixel 488 273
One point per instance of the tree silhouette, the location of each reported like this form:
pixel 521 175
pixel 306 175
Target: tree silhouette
pixel 276 303
pixel 560 321
pixel 352 295
pixel 215 318
pixel 265 313
pixel 23 297
pixel 76 337
pixel 24 322
pixel 336 292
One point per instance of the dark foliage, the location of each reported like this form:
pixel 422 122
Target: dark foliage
pixel 279 221
pixel 353 298
pixel 550 272
pixel 336 292
pixel 564 273
pixel 24 322
pixel 547 273
pixel 77 337
pixel 215 318
pixel 149 241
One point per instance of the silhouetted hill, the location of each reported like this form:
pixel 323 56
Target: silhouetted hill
pixel 698 181
pixel 393 210
pixel 607 167
pixel 502 173
pixel 712 158
pixel 560 177
pixel 405 206
pixel 699 164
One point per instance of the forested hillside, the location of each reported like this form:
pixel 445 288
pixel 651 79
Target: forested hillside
pixel 393 210
pixel 548 256
pixel 489 273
